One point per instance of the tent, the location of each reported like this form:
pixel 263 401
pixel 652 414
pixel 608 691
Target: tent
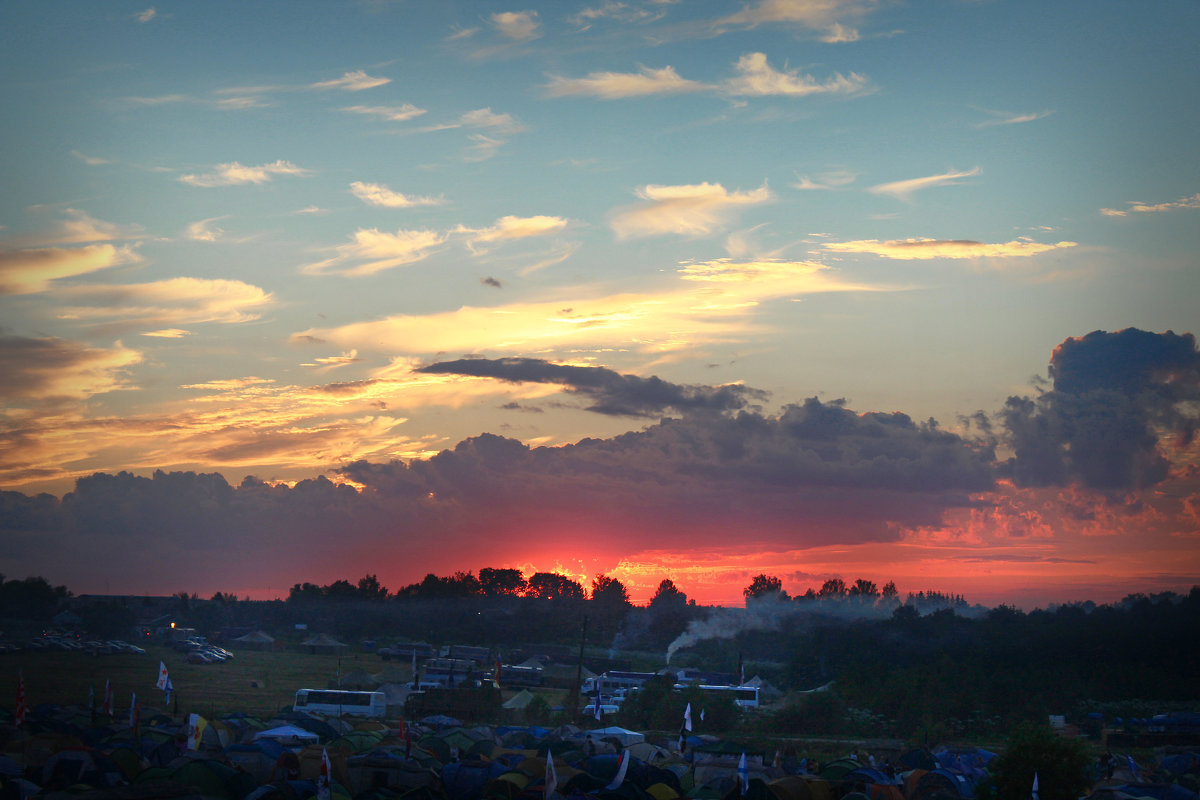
pixel 257 640
pixel 323 643
pixel 287 734
pixel 623 735
pixel 519 700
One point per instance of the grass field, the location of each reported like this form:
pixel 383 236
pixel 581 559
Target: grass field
pixel 258 683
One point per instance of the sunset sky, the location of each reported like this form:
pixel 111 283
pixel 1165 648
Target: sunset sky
pixel 813 288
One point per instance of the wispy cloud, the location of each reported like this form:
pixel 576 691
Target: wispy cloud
pixel 511 227
pixel 147 15
pixel 50 368
pixel 688 210
pixel 176 301
pixel 623 13
pixel 34 270
pixel 352 82
pixel 713 301
pixel 167 333
pixel 1005 118
pixel 520 26
pixel 333 362
pixel 615 85
pixel 235 174
pixel 825 181
pixel 91 161
pixel 903 190
pixel 376 194
pixel 205 230
pixel 401 113
pixel 373 251
pixel 817 15
pixel 1138 207
pixel 757 78
pixel 924 249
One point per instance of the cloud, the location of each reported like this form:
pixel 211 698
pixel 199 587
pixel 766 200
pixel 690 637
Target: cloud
pixel 520 26
pixel 1114 395
pixel 147 15
pixel 234 174
pixel 204 230
pixel 401 113
pixel 711 302
pixel 609 392
pixel 167 333
pixel 615 85
pixel 1002 118
pixel 352 82
pixel 688 210
pixel 902 190
pixel 825 181
pixel 840 34
pixel 373 251
pixel 757 78
pixel 178 301
pixel 34 270
pixel 924 249
pixel 91 161
pixel 1137 207
pixel 53 369
pixel 823 15
pixel 333 362
pixel 510 227
pixel 376 194
pixel 623 13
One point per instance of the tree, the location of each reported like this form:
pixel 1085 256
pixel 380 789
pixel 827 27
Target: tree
pixel 1061 765
pixel 763 587
pixel 369 588
pixel 609 591
pixel 834 587
pixel 552 586
pixel 667 595
pixel 890 592
pixel 501 582
pixel 863 589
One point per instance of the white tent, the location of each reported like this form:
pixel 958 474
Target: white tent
pixel 623 735
pixel 287 734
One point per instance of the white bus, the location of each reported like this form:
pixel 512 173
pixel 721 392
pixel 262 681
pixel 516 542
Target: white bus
pixel 337 702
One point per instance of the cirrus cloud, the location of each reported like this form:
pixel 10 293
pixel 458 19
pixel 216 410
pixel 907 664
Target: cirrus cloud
pixel 687 210
pixel 352 82
pixel 174 301
pixel 373 251
pixel 376 194
pixel 235 174
pixel 33 270
pixel 924 249
pixel 1137 207
pixel 903 190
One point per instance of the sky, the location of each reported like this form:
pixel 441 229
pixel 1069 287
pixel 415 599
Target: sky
pixel 300 291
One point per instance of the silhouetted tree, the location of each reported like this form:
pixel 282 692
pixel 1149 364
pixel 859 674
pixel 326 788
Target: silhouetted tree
pixel 763 586
pixel 497 582
pixel 369 588
pixel 833 588
pixel 552 586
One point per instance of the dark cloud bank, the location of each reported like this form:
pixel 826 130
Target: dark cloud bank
pixel 720 474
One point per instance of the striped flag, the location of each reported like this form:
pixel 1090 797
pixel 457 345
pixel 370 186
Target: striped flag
pixel 22 706
pixel 622 768
pixel 687 717
pixel 323 789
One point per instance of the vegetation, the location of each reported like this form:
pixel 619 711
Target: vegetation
pixel 1059 764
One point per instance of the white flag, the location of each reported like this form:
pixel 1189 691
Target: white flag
pixel 133 711
pixel 743 776
pixel 1035 786
pixel 622 768
pixel 323 790
pixel 163 680
pixel 687 717
pixel 551 775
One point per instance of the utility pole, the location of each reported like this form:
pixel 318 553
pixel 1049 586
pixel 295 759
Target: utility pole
pixel 579 670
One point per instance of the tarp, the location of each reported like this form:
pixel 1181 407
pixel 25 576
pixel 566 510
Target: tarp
pixel 287 733
pixel 623 735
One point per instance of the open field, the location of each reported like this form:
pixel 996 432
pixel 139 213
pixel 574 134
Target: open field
pixel 258 683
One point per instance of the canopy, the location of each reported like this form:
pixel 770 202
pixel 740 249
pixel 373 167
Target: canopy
pixel 287 733
pixel 623 735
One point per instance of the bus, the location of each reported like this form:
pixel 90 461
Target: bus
pixel 338 702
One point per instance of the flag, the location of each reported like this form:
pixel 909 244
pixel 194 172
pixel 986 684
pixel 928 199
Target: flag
pixel 107 698
pixel 743 776
pixel 323 790
pixel 496 676
pixel 1133 767
pixel 167 691
pixel 22 707
pixel 1035 786
pixel 163 679
pixel 196 726
pixel 133 713
pixel 414 668
pixel 687 717
pixel 702 715
pixel 551 775
pixel 622 768
pixel 597 713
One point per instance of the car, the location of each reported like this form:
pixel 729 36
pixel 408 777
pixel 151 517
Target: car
pixel 197 657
